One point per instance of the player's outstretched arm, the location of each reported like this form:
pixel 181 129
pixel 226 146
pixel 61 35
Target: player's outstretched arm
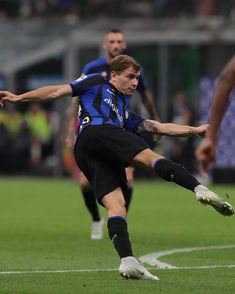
pixel 170 129
pixel 41 94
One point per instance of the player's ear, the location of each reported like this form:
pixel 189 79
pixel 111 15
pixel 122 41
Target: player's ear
pixel 113 75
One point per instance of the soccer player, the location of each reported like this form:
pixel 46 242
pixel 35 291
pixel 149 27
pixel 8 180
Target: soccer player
pixel 108 141
pixel 113 44
pixel 206 152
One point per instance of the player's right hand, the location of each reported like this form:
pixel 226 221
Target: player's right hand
pixel 2 94
pixel 7 96
pixel 206 154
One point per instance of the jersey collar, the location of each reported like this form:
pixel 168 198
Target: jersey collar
pixel 115 90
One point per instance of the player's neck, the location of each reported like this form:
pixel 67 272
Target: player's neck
pixel 109 58
pixel 115 85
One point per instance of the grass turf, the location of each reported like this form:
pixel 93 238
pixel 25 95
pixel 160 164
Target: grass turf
pixel 44 226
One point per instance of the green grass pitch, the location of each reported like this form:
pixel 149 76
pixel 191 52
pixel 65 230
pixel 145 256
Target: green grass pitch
pixel 44 235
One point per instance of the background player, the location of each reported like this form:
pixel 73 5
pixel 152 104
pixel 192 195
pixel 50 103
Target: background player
pixel 114 44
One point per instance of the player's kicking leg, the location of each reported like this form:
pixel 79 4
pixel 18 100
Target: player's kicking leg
pixel 170 171
pixel 205 196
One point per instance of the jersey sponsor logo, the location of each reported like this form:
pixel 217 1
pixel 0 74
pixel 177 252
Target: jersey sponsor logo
pixel 82 77
pixel 110 91
pixel 126 114
pixel 115 109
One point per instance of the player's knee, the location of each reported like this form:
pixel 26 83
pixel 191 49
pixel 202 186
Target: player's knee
pixel 130 175
pixel 117 208
pixel 118 211
pixel 146 157
pixel 115 204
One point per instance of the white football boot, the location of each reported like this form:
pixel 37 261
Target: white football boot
pixel 205 196
pixel 97 230
pixel 130 268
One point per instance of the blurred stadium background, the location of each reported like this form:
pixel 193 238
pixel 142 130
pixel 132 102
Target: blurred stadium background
pixel 44 232
pixel 182 46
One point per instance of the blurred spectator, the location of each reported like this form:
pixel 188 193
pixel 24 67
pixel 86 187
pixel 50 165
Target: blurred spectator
pixel 41 130
pixel 68 10
pixel 9 8
pixel 173 8
pixel 205 7
pixel 14 140
pixel 32 8
pixel 182 149
pixel 72 10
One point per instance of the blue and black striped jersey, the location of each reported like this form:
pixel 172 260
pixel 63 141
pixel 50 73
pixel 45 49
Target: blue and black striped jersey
pixel 101 66
pixel 101 103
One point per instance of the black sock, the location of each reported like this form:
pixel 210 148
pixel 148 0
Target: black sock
pixel 128 196
pixel 174 172
pixel 117 228
pixel 91 203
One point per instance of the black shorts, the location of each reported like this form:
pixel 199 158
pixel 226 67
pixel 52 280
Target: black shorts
pixel 103 152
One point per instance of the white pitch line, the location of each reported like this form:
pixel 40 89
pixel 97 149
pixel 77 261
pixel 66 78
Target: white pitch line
pixel 152 258
pixel 204 266
pixel 57 271
pixel 148 259
pixel 106 270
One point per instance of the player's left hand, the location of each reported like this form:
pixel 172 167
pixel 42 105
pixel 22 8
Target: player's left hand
pixel 201 130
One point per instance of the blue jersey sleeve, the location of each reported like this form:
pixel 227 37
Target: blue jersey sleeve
pixel 94 66
pixel 87 68
pixel 85 82
pixel 133 121
pixel 142 85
